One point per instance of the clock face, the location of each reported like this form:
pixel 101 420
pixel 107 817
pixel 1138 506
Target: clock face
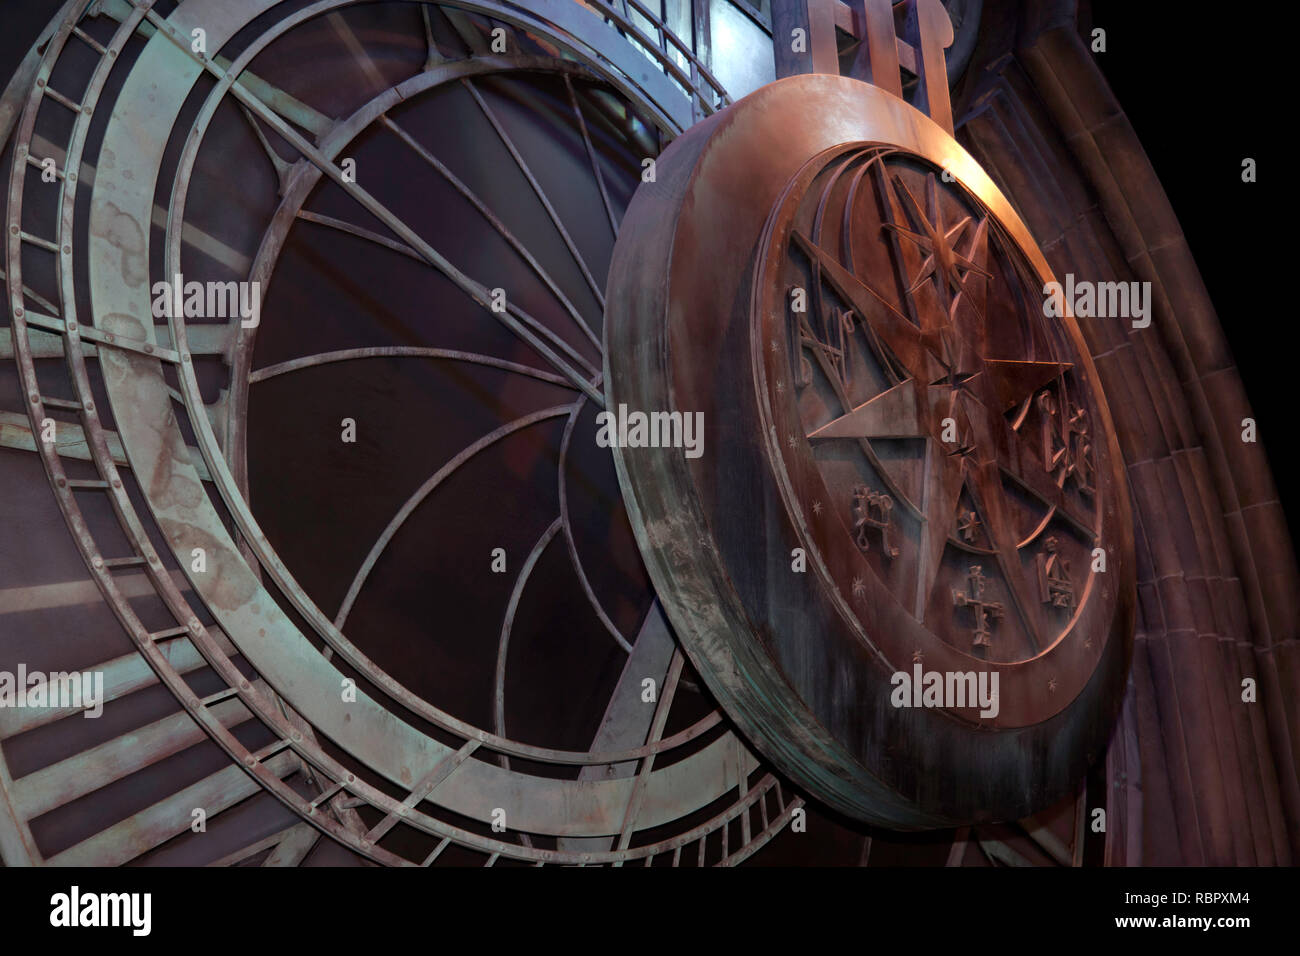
pixel 902 560
pixel 363 499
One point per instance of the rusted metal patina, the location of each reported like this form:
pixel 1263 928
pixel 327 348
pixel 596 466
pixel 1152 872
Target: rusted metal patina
pixel 863 309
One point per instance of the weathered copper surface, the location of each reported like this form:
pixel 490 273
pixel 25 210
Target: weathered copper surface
pixel 924 315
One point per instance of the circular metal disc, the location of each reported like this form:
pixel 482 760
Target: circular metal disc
pixel 908 478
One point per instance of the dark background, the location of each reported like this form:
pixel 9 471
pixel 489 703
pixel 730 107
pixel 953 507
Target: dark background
pixel 1203 94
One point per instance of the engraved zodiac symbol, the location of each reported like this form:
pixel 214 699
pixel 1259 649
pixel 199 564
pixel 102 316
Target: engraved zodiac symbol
pixel 871 510
pixel 986 612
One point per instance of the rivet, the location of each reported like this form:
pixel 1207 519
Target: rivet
pixel 97 561
pixel 40 82
pixel 72 326
pixel 90 406
pixel 19 312
pixel 72 177
pixel 149 349
pixel 63 482
pixel 67 250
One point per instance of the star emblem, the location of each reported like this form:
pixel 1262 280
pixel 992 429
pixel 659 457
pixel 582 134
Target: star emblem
pixel 950 386
pixel 944 263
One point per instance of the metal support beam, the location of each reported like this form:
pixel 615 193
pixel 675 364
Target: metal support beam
pixel 805 40
pixel 803 37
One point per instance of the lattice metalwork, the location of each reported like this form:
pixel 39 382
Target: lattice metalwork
pixel 139 394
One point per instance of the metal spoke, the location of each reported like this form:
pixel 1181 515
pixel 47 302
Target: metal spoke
pixel 568 534
pixel 666 694
pixel 294 846
pixel 507 625
pixel 495 222
pixel 591 155
pixel 627 720
pixel 297 112
pixel 503 643
pixel 443 769
pixel 596 289
pixel 413 351
pixel 474 289
pixel 402 249
pixel 426 489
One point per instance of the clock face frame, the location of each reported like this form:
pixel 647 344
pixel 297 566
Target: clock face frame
pixel 890 481
pixel 387 772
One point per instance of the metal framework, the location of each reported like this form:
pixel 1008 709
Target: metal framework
pixel 471 778
pixel 172 466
